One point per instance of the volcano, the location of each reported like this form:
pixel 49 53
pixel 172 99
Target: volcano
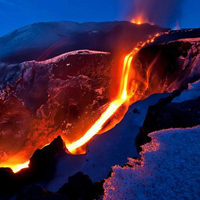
pixel 53 90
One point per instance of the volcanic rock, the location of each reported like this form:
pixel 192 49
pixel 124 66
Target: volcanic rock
pixel 81 187
pixel 35 192
pixel 42 163
pixel 48 98
pixel 6 181
pixel 41 169
pixel 166 67
pixel 166 114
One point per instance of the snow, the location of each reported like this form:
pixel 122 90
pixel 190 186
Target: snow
pixel 78 52
pixel 106 150
pixel 169 169
pixel 192 93
pixel 190 39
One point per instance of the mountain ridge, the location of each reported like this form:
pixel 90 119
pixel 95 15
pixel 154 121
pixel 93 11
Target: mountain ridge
pixel 41 41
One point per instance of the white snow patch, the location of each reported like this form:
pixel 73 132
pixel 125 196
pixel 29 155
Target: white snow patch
pixel 192 93
pixel 78 52
pixel 169 169
pixel 106 150
pixel 190 39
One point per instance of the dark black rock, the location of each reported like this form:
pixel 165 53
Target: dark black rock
pixel 35 192
pixel 41 169
pixel 7 181
pixel 80 187
pixel 136 111
pixel 166 115
pixel 42 163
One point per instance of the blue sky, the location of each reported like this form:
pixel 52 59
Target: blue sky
pixel 18 13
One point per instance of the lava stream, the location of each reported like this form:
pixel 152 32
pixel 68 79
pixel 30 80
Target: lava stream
pixel 114 105
pixel 123 97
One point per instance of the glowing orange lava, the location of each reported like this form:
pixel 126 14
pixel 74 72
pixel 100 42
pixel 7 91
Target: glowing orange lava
pixel 114 105
pixel 122 99
pixel 112 108
pixel 16 168
pixel 141 19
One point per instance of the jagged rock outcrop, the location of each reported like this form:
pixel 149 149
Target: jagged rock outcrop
pixel 41 169
pixel 81 187
pixel 166 67
pixel 35 192
pixel 78 187
pixel 48 98
pixel 167 114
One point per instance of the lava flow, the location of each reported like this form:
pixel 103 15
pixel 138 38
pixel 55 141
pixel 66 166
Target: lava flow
pixel 123 98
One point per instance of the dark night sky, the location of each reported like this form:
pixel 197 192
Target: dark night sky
pixel 18 13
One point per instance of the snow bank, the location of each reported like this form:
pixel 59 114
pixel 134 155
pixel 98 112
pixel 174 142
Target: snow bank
pixel 169 169
pixel 192 93
pixel 71 53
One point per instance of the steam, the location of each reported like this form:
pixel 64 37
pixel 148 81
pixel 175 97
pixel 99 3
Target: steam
pixel 163 13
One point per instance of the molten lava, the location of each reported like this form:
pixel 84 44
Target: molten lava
pixel 140 20
pixel 124 96
pixel 17 168
pixel 112 108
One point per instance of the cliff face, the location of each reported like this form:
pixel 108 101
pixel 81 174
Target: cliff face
pixel 166 67
pixel 60 96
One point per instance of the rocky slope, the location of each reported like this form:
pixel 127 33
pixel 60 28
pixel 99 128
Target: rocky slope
pixel 60 96
pixel 63 95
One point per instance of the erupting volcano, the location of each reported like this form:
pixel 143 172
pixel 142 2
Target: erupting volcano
pixel 86 107
pixel 140 20
pixel 126 92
